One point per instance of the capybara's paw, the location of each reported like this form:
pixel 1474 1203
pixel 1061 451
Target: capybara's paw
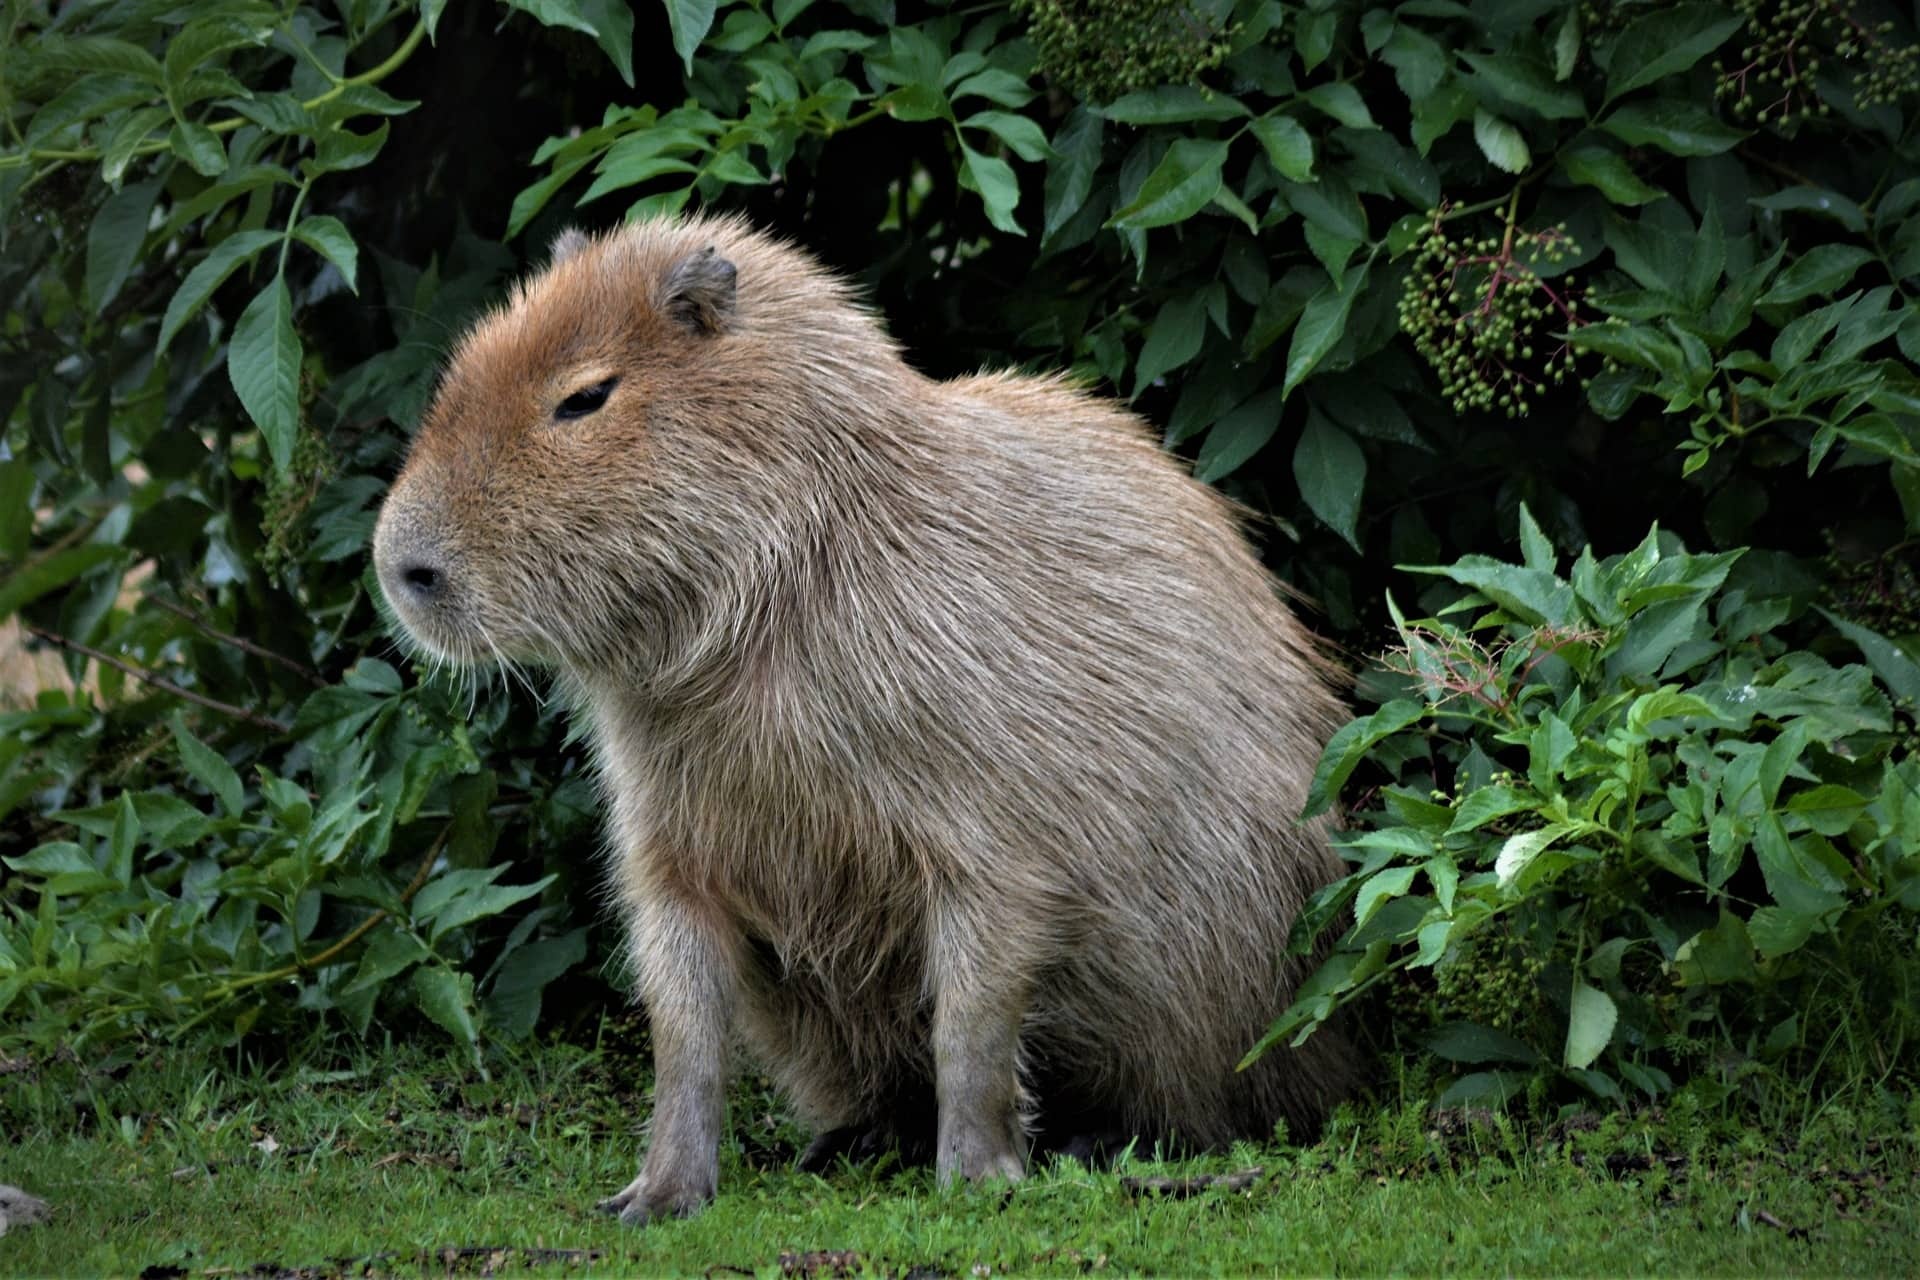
pixel 647 1200
pixel 977 1158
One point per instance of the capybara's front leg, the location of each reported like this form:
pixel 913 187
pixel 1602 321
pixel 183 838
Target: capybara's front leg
pixel 686 961
pixel 979 999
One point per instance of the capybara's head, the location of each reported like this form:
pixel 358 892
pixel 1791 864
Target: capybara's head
pixel 608 449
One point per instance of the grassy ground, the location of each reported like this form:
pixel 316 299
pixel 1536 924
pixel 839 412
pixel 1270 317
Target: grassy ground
pixel 406 1165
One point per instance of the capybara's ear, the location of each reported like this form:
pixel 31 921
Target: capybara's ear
pixel 566 244
pixel 699 292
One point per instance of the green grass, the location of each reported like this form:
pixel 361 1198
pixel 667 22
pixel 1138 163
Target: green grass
pixel 379 1169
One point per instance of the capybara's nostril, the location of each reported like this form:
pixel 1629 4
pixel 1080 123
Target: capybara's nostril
pixel 424 582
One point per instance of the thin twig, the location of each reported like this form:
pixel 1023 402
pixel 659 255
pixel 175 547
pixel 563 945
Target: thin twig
pixel 158 682
pixel 305 672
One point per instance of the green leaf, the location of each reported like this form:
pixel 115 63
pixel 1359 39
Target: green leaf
pixel 1469 1042
pixel 58 52
pixel 1377 888
pixel 128 138
pixel 1526 82
pixel 430 11
pixel 1289 147
pixel 1566 45
pixel 1666 42
pixel 1343 102
pixel 1322 324
pixel 1349 746
pixel 1531 595
pixel 565 14
pixel 1331 472
pixel 1484 804
pixel 1183 183
pixel 327 236
pixel 1501 143
pixel 1173 104
pixel 1609 173
pixel 114 240
pixel 120 844
pixel 1173 340
pixel 1817 273
pixel 263 363
pixel 340 149
pixel 1899 672
pixel 447 998
pixel 1591 1016
pixel 999 190
pixel 1829 808
pixel 1679 128
pixel 1776 931
pixel 208 767
pixel 1077 149
pixel 612 23
pixel 1521 848
pixel 1022 136
pixel 1818 201
pixel 23 585
pixel 1238 435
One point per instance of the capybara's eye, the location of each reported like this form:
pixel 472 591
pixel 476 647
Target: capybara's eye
pixel 586 400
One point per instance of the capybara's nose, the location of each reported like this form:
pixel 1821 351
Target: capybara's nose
pixel 424 583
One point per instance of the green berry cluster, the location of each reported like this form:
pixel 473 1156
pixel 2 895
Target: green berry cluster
pixel 289 494
pixel 1774 78
pixel 1493 980
pixel 1479 312
pixel 1101 49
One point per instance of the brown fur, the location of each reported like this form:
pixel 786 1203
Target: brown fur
pixel 949 729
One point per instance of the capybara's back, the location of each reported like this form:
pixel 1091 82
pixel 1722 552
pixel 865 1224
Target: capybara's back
pixel 954 738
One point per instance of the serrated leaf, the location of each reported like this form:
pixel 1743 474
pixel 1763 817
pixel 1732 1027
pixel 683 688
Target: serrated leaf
pixel 1678 128
pixel 329 237
pixel 1331 472
pixel 999 190
pixel 209 274
pixel 1181 185
pixel 1501 143
pixel 1899 672
pixel 1526 82
pixel 1666 42
pixel 1484 804
pixel 1468 1042
pixel 1322 324
pixel 1077 149
pixel 612 22
pixel 263 363
pixel 127 139
pixel 447 998
pixel 690 21
pixel 1591 1016
pixel 1022 136
pixel 208 768
pixel 114 240
pixel 1349 746
pixel 1608 172
pixel 1818 272
pixel 1173 339
pixel 1289 147
pixel 200 147
pixel 1238 435
pixel 1521 848
pixel 1343 102
pixel 1377 888
pixel 1173 104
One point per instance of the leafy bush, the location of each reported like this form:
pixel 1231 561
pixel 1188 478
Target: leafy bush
pixel 1383 272
pixel 1621 822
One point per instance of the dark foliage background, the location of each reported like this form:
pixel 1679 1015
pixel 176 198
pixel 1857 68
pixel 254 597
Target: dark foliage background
pixel 1493 286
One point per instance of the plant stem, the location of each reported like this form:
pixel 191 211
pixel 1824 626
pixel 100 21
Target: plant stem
pixel 158 682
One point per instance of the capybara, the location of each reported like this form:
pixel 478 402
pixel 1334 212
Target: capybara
pixel 953 737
